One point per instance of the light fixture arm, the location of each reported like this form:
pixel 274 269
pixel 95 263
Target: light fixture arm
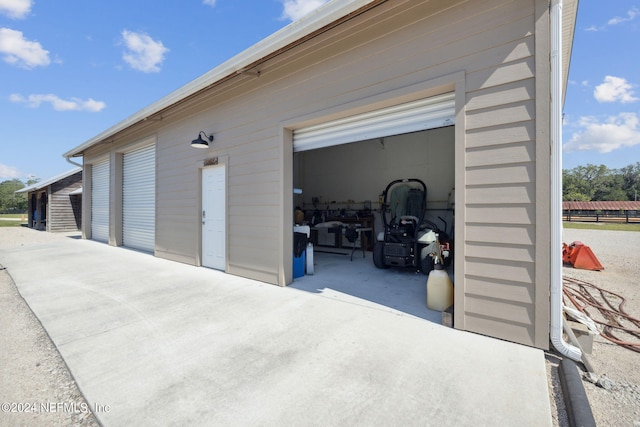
pixel 209 137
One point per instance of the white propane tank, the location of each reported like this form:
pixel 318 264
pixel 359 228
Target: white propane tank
pixel 439 288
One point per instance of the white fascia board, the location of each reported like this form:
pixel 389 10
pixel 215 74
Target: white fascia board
pixel 293 32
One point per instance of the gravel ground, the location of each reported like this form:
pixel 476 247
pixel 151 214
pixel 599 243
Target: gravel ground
pixel 615 398
pixel 37 389
pixel 36 386
pixel 31 364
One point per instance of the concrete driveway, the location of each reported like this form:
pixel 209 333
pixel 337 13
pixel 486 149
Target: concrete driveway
pixel 154 342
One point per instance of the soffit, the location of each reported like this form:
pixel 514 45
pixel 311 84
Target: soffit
pixel 569 15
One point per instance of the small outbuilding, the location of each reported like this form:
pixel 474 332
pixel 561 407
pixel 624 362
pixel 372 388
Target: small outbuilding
pixel 459 94
pixel 55 204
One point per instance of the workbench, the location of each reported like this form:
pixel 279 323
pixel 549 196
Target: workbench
pixel 339 230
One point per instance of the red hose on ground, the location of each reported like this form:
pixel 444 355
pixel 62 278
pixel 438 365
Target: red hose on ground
pixel 597 304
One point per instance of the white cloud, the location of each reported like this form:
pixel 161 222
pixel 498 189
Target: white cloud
pixel 296 9
pixel 631 15
pixel 59 104
pixel 21 52
pixel 615 89
pixel 8 172
pixel 209 2
pixel 611 134
pixel 15 9
pixel 143 53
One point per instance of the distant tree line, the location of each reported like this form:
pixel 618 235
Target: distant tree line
pixel 10 202
pixel 599 183
pixel 582 183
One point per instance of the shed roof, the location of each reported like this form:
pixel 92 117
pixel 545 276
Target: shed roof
pixel 601 206
pixel 48 182
pixel 316 22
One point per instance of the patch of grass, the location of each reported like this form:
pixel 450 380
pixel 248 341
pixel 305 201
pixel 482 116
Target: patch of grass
pixel 12 220
pixel 601 226
pixel 11 223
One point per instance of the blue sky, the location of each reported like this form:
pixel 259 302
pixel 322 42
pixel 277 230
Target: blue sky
pixel 70 69
pixel 602 108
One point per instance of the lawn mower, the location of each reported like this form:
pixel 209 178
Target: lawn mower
pixel 407 239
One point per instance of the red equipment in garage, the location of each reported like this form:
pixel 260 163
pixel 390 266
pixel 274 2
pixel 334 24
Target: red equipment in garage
pixel 580 256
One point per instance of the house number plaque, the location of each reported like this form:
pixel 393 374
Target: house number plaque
pixel 211 161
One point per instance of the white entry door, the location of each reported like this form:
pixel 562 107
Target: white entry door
pixel 214 217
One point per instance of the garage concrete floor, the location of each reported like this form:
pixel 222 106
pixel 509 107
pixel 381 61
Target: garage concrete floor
pixel 399 290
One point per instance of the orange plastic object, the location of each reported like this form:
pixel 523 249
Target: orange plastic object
pixel 580 256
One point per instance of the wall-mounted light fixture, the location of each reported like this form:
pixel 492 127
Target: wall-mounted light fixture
pixel 200 142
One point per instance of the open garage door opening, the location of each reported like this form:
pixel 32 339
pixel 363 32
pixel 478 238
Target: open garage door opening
pixel 341 200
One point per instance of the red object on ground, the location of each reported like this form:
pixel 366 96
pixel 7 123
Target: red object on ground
pixel 580 256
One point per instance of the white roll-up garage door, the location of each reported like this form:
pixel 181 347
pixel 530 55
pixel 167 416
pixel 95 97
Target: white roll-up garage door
pixel 424 114
pixel 100 201
pixel 139 198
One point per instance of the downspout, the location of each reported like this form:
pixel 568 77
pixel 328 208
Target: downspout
pixel 72 162
pixel 556 186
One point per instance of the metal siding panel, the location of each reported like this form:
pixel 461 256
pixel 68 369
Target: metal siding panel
pixel 100 201
pixel 505 328
pixel 501 214
pixel 505 134
pixel 138 199
pixel 503 73
pixel 500 269
pixel 522 173
pixel 497 309
pixel 503 234
pixel 501 115
pixel 503 154
pixel 430 113
pixel 497 251
pixel 501 194
pixel 522 293
pixel 519 91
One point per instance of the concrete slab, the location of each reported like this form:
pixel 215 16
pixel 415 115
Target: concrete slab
pixel 401 291
pixel 154 342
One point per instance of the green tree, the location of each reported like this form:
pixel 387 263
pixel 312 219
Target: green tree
pixel 571 188
pixel 631 180
pixel 591 182
pixel 10 202
pixel 610 188
pixel 586 181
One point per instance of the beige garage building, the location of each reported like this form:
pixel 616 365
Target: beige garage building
pixel 460 94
